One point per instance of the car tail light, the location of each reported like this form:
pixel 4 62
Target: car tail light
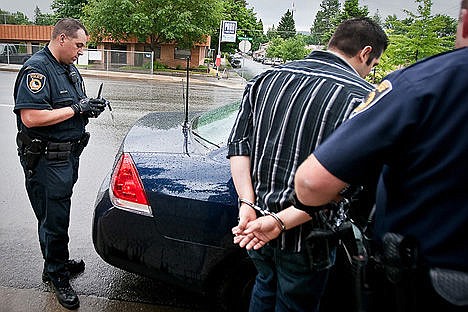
pixel 126 190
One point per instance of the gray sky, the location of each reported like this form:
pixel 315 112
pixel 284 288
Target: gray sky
pixel 271 11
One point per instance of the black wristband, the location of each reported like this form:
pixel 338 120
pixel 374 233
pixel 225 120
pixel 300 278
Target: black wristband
pixel 75 108
pixel 308 209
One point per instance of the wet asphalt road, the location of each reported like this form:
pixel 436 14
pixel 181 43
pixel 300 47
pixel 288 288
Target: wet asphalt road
pixel 101 287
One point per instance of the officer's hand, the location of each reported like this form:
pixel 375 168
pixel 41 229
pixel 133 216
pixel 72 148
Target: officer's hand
pixel 90 107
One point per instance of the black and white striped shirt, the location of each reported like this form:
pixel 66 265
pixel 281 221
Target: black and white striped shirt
pixel 285 113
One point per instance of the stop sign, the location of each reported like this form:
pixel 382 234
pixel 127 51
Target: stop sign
pixel 245 46
pixel 218 60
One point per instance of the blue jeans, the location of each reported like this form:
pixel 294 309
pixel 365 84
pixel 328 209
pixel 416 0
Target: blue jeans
pixel 285 281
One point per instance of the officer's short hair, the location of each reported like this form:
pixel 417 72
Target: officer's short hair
pixel 69 27
pixel 354 34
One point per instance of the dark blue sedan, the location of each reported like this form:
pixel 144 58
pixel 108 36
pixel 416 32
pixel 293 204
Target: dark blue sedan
pixel 167 208
pixel 166 211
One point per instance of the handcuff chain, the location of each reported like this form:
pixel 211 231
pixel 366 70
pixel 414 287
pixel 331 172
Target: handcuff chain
pixel 264 212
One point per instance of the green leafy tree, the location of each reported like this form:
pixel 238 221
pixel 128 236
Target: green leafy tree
pixel 287 27
pixel 328 18
pixel 68 8
pixel 43 19
pixel 419 36
pixel 288 49
pixel 377 18
pixel 260 37
pixel 17 18
pixel 325 21
pixel 274 47
pixel 294 48
pixel 272 33
pixel 183 21
pixel 352 9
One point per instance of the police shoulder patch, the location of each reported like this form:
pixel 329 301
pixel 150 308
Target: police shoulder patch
pixel 36 82
pixel 382 89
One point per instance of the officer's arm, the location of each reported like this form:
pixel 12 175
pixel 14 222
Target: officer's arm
pixel 315 185
pixel 45 117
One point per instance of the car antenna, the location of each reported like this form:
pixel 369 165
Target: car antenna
pixel 186 95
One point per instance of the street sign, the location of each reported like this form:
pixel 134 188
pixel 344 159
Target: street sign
pixel 218 60
pixel 245 38
pixel 245 46
pixel 228 31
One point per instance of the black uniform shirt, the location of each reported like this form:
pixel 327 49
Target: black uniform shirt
pixel 44 83
pixel 415 125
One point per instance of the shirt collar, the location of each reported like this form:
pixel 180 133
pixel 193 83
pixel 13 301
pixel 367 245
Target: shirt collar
pixel 54 60
pixel 340 59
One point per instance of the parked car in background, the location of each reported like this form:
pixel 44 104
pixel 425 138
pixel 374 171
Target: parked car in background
pixel 235 60
pixel 267 61
pixel 276 61
pixel 167 207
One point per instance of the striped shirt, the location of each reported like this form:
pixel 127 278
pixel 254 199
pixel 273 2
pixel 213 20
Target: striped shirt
pixel 285 113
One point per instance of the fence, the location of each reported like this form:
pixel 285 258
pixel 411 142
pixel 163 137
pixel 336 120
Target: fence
pixel 93 59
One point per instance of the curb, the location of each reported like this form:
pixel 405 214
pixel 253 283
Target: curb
pixel 235 82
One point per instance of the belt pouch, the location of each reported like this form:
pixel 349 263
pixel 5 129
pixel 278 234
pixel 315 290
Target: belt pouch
pixel 58 151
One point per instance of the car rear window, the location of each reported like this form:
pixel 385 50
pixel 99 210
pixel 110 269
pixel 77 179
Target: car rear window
pixel 215 125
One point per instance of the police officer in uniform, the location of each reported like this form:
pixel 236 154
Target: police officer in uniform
pixel 52 111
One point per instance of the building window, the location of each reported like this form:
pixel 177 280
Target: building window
pixel 118 54
pixel 181 53
pixel 157 51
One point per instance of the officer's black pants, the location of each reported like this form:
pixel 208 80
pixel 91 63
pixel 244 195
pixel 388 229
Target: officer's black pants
pixel 50 187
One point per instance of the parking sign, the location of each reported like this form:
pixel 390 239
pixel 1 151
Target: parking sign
pixel 228 31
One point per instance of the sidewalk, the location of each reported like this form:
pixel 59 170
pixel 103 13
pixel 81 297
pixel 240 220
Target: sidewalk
pixel 234 81
pixel 31 300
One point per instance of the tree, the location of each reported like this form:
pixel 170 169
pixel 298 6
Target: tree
pixel 274 47
pixel 419 36
pixel 288 49
pixel 294 48
pixel 183 21
pixel 272 33
pixel 287 27
pixel 260 36
pixel 43 19
pixel 325 21
pixel 377 18
pixel 68 8
pixel 352 9
pixel 17 18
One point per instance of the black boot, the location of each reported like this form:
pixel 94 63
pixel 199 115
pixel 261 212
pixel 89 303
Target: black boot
pixel 72 266
pixel 65 294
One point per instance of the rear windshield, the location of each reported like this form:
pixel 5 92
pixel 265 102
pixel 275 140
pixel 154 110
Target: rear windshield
pixel 215 125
